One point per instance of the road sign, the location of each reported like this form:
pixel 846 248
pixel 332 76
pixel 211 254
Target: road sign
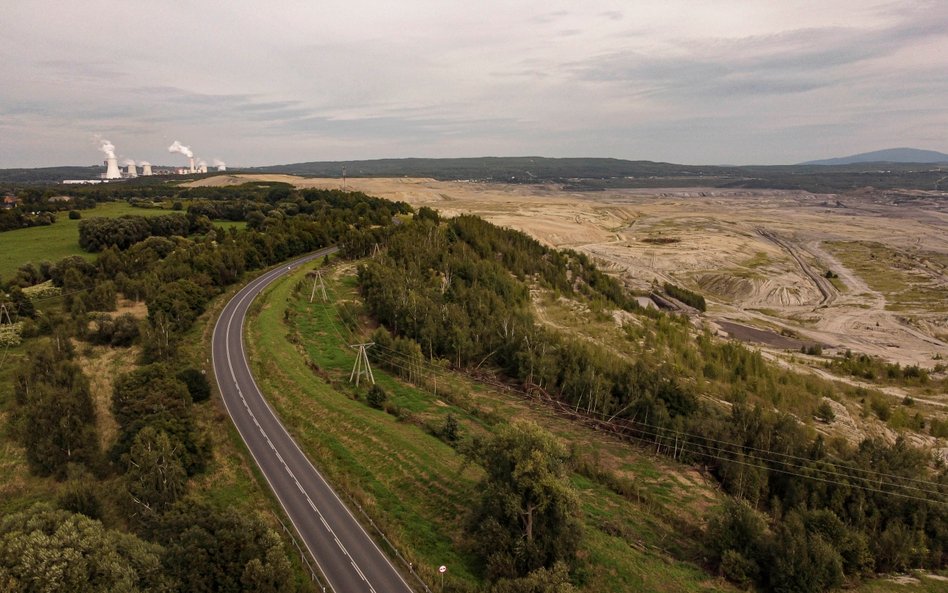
pixel 442 569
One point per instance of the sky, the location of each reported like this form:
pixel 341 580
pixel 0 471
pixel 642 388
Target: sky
pixel 258 83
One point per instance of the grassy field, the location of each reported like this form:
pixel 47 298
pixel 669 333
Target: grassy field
pixel 56 241
pixel 419 488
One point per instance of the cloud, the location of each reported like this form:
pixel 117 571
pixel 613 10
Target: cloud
pixel 680 80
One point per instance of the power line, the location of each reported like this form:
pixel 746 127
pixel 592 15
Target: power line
pixel 399 360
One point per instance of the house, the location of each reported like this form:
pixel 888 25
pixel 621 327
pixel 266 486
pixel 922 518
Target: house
pixel 10 201
pixel 60 199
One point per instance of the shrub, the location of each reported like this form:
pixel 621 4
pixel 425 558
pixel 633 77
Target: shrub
pixel 74 215
pixel 376 397
pixel 198 386
pixel 825 413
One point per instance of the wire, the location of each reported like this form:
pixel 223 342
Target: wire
pixel 400 360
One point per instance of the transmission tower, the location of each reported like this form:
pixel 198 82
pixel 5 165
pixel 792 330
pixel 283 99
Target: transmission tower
pixel 318 281
pixel 361 366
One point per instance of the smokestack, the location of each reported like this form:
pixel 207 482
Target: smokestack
pixel 131 170
pixel 185 150
pixel 191 169
pixel 146 169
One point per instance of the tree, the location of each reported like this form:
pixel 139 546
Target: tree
pixel 152 396
pixel 802 561
pixel 21 303
pixel 527 516
pixel 734 540
pixel 155 478
pixel 55 414
pixel 222 551
pixel 43 549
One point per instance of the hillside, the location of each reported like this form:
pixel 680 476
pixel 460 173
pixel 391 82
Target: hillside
pixel 889 155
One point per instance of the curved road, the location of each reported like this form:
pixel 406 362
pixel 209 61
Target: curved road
pixel 346 555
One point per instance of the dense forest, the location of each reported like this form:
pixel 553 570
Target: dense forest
pixel 820 512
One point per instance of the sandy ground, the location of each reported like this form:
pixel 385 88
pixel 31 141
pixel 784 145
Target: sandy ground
pixel 757 255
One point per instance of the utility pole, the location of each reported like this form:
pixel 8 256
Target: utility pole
pixel 376 250
pixel 318 280
pixel 344 178
pixel 361 366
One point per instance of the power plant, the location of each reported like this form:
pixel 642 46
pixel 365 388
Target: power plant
pixel 114 173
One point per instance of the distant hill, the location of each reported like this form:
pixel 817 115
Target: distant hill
pixel 889 155
pixel 515 169
pixel 50 174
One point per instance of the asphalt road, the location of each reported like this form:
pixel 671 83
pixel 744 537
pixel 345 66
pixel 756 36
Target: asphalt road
pixel 348 558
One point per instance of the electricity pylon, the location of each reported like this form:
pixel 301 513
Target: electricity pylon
pixel 5 313
pixel 318 279
pixel 361 366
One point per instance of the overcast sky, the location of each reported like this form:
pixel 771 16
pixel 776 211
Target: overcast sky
pixel 688 81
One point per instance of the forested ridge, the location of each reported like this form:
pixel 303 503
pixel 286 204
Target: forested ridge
pixel 810 513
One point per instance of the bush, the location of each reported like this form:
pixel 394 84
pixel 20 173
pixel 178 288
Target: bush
pixel 376 397
pixel 825 412
pixel 75 215
pixel 738 569
pixel 122 331
pixel 198 385
pixel 81 496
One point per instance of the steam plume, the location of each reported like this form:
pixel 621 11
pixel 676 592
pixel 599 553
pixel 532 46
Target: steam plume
pixel 144 163
pixel 178 147
pixel 129 162
pixel 219 163
pixel 107 147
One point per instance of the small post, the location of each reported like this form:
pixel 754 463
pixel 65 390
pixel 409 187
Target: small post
pixel 376 250
pixel 442 569
pixel 361 366
pixel 4 312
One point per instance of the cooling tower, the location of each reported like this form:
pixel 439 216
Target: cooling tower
pixel 112 169
pixel 202 169
pixel 221 167
pixel 132 170
pixel 146 169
